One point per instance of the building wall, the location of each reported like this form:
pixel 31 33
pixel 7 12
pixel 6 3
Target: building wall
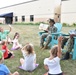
pixel 68 11
pixel 41 9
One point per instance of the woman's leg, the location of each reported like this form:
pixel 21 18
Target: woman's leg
pixel 64 42
pixel 48 40
pixel 43 36
pixel 69 47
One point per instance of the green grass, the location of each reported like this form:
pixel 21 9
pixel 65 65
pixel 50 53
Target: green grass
pixel 29 33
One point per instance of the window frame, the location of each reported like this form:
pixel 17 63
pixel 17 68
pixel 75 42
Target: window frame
pixel 23 18
pixel 31 18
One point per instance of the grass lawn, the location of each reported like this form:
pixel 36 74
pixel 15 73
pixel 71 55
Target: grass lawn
pixel 29 33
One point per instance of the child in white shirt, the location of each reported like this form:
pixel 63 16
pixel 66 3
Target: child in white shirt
pixel 16 44
pixel 52 64
pixel 29 61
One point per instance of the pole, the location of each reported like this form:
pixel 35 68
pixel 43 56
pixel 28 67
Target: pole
pixel 57 11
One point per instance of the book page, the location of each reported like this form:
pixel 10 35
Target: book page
pixel 72 32
pixel 43 26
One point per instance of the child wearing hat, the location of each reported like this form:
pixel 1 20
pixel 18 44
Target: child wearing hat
pixel 3 68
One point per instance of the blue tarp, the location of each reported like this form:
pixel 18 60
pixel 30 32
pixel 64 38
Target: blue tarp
pixel 7 15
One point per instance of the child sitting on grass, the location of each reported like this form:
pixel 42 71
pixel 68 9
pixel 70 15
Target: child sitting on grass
pixel 52 64
pixel 4 34
pixel 16 44
pixel 7 54
pixel 3 68
pixel 29 61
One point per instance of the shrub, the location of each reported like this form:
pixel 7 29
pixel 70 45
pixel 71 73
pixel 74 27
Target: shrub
pixel 0 23
pixel 29 23
pixel 65 24
pixel 74 24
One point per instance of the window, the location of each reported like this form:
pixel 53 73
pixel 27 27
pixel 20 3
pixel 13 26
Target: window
pixel 16 18
pixel 23 18
pixel 31 17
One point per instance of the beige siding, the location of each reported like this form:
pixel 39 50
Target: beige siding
pixel 41 9
pixel 68 11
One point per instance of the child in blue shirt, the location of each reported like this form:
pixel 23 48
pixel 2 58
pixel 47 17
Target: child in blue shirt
pixel 3 68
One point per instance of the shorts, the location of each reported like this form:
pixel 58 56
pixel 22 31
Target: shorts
pixel 9 56
pixel 56 74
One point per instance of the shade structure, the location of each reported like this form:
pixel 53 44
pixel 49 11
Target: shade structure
pixel 7 15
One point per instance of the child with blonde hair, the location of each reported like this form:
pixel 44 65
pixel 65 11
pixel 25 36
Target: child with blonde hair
pixel 29 61
pixel 52 64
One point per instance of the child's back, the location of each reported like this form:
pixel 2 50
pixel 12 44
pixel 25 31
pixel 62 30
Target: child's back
pixel 29 61
pixel 52 64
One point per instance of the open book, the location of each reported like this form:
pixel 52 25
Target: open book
pixel 72 32
pixel 43 26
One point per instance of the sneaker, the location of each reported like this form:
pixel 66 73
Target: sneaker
pixel 37 65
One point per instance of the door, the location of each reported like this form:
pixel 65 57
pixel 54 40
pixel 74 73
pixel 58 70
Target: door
pixel 8 20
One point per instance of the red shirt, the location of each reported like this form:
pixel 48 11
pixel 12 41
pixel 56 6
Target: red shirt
pixel 4 47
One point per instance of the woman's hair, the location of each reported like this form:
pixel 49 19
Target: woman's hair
pixel 54 51
pixel 28 48
pixel 16 35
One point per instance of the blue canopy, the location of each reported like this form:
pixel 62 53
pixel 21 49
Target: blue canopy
pixel 7 15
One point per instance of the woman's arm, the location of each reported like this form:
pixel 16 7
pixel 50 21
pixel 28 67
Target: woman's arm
pixel 59 46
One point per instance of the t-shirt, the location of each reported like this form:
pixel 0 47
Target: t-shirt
pixel 29 61
pixel 4 47
pixel 5 69
pixel 15 43
pixel 53 65
pixel 3 35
